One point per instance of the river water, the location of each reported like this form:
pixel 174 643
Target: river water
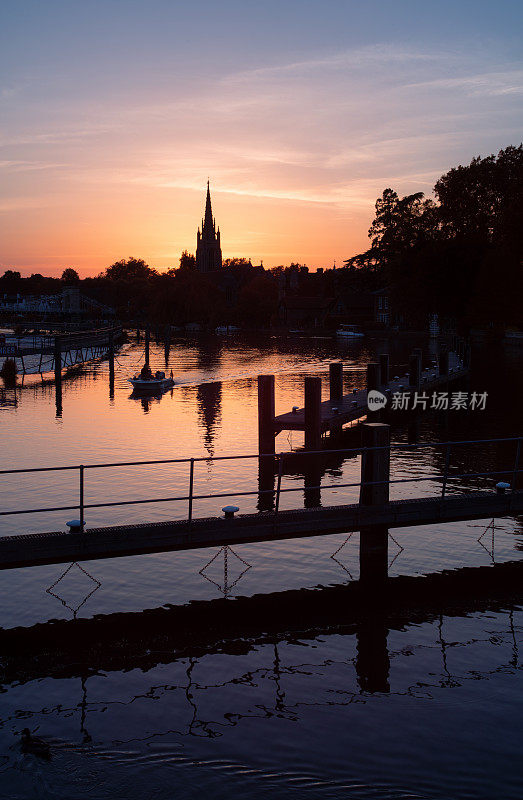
pixel 293 715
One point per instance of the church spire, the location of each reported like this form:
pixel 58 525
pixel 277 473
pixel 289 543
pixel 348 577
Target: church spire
pixel 208 209
pixel 208 249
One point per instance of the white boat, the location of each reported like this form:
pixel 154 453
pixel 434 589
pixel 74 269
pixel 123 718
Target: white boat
pixel 156 383
pixel 349 332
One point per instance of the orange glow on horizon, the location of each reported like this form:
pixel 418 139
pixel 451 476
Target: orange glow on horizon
pixel 91 231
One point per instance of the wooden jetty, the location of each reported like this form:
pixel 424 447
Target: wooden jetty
pixel 317 417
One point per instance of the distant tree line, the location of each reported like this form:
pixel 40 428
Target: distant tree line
pixel 460 255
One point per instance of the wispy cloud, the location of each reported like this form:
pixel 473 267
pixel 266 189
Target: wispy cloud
pixel 483 84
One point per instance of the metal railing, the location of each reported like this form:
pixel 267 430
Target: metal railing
pixel 278 459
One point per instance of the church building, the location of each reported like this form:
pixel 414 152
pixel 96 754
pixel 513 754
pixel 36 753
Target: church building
pixel 208 250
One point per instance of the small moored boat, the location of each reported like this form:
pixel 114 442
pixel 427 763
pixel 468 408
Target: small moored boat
pixel 349 332
pixel 148 381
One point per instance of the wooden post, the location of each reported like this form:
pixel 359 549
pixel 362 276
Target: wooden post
pixel 111 366
pixel 265 484
pixel 147 345
pixel 312 482
pixel 58 375
pixel 138 333
pixel 266 414
pixel 384 369
pixel 57 360
pixel 374 490
pixel 466 355
pixel 336 381
pixel 443 361
pixel 415 370
pixel 312 413
pixel 373 376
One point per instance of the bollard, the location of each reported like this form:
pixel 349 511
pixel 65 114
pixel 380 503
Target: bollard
pixel 75 525
pixel 230 511
pixel 312 413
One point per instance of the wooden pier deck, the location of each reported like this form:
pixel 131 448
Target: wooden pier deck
pixel 350 407
pixel 58 547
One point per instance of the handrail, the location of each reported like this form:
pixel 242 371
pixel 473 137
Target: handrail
pixel 191 496
pixel 240 456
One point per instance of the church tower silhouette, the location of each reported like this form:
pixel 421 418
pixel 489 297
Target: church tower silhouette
pixel 208 250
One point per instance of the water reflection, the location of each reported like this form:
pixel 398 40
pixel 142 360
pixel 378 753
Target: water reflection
pixel 73 587
pixel 209 399
pixel 231 562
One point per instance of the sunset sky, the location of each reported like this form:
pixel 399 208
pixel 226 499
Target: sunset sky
pixel 115 113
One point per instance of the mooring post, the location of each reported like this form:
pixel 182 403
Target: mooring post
pixel 336 381
pixel 384 369
pixel 373 375
pixel 443 361
pixel 58 360
pixel 312 413
pixel 111 365
pixel 415 370
pixel 466 355
pixel 374 491
pixel 147 344
pixel 266 412
pixel 58 375
pixel 137 333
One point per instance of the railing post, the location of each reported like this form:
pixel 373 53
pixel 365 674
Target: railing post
pixel 278 485
pixel 445 474
pixel 81 497
pixel 191 486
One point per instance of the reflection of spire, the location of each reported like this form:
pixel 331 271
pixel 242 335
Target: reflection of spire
pixel 209 397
